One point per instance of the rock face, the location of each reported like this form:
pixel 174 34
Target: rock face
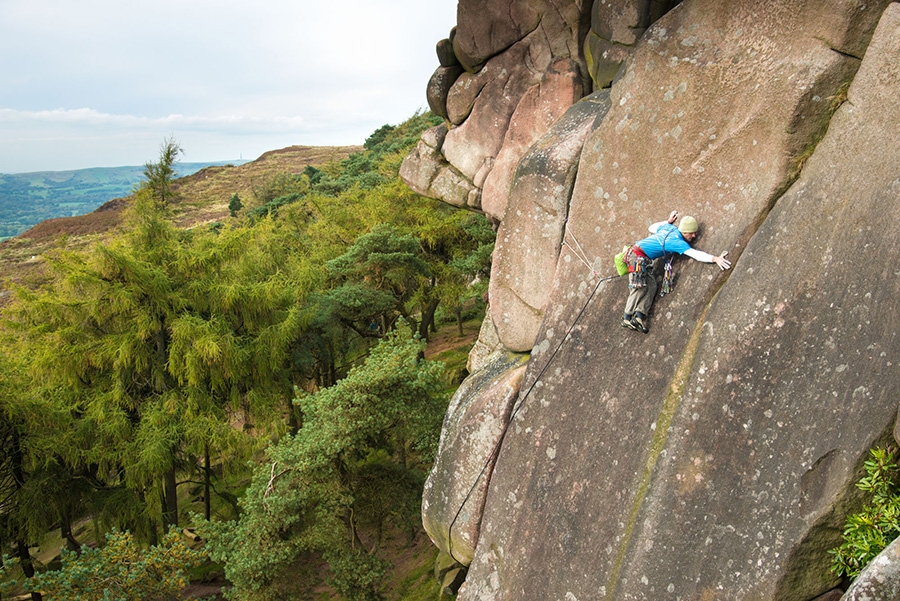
pixel 713 458
pixel 454 492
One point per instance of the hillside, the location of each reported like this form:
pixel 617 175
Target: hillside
pixel 204 197
pixel 29 198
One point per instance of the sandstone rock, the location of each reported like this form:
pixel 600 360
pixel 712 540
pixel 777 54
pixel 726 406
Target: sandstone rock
pixel 439 87
pixel 482 106
pixel 880 580
pixel 714 457
pixel 446 57
pixel 452 581
pixel 615 29
pixel 488 342
pixel 621 22
pixel 443 564
pixel 475 422
pixel 485 29
pixel 832 595
pixel 529 238
pixel 424 163
pixel 450 186
pixel 604 59
pixel 539 108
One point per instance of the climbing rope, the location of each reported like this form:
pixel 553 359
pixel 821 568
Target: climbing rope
pixel 496 450
pixel 579 252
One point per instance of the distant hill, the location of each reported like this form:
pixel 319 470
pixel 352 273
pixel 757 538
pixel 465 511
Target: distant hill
pixel 203 198
pixel 29 198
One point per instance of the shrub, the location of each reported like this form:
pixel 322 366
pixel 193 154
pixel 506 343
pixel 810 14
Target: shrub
pixel 121 569
pixel 868 532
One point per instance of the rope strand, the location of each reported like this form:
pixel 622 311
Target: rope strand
pixel 496 450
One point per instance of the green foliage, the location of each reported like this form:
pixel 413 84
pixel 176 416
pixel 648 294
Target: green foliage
pixel 6 567
pixel 121 570
pixel 868 532
pixel 166 355
pixel 271 207
pixel 235 205
pixel 281 184
pixel 160 176
pixel 379 163
pixel 317 486
pixel 356 575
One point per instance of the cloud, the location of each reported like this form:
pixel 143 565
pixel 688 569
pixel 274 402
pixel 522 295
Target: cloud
pixel 225 78
pixel 90 118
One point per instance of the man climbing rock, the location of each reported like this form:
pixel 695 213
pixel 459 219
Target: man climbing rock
pixel 665 241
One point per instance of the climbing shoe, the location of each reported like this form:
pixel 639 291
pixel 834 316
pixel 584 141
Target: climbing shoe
pixel 626 323
pixel 639 324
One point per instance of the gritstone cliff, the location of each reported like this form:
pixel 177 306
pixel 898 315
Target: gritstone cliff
pixel 713 458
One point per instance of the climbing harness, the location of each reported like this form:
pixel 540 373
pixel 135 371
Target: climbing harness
pixel 496 450
pixel 640 267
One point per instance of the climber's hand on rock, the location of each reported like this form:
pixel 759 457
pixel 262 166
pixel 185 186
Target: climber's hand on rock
pixel 722 262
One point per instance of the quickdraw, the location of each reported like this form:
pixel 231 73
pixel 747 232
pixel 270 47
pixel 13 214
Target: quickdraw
pixel 668 283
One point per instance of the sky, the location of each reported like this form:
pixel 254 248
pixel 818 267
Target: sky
pixel 102 83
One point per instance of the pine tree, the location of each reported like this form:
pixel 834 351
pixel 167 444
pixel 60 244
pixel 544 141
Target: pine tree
pixel 358 437
pixel 235 205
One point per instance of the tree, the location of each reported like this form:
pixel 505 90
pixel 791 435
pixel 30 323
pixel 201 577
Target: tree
pixel 121 569
pixel 160 176
pixel 25 509
pixel 153 345
pixel 303 499
pixel 386 261
pixel 235 204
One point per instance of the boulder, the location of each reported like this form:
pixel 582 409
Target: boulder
pixel 487 343
pixel 539 108
pixel 529 238
pixel 425 161
pixel 716 456
pixel 473 427
pixel 482 105
pixel 452 581
pixel 615 29
pixel 439 87
pixel 485 29
pixel 446 57
pixel 604 59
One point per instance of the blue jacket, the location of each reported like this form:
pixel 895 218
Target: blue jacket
pixel 665 239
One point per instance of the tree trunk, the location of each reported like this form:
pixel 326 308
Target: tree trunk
pixel 459 319
pixel 27 564
pixel 65 531
pixel 170 496
pixel 207 484
pixel 292 423
pixel 428 312
pixel 17 466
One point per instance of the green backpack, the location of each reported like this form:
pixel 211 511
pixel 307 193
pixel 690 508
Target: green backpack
pixel 621 265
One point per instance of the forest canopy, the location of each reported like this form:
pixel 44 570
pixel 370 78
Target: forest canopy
pixel 155 364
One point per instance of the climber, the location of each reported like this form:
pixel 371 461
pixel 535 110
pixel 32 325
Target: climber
pixel 665 238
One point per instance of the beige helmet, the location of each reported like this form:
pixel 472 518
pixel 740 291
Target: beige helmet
pixel 688 225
